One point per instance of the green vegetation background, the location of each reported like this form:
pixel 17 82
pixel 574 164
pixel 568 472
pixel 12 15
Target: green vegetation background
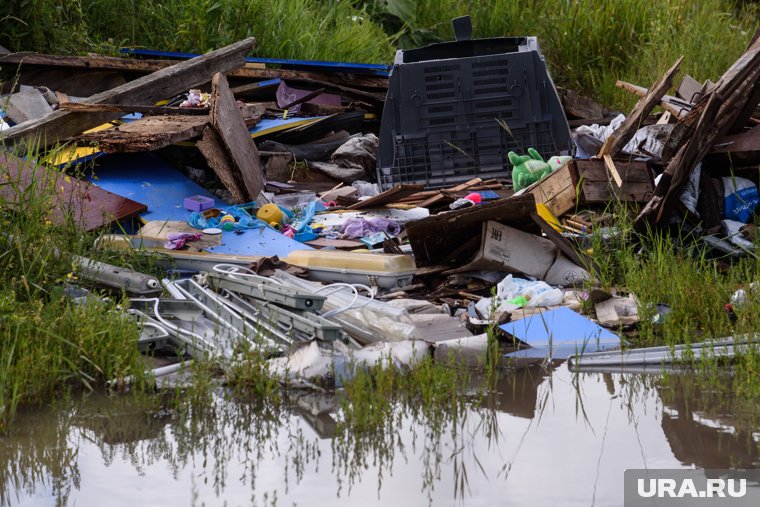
pixel 589 44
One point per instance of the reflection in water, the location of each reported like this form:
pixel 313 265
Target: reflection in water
pixel 578 430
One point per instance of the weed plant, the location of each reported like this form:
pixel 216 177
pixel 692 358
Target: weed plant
pixel 589 45
pixel 49 344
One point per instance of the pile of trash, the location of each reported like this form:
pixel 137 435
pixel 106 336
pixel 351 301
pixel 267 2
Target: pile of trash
pixel 339 215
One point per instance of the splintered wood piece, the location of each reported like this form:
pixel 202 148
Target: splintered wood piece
pixel 140 66
pixel 148 89
pixel 233 133
pixel 89 206
pixel 712 117
pixel 609 164
pixel 147 134
pixel 391 195
pixel 211 147
pixel 641 110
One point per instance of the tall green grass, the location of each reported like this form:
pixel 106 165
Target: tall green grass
pixel 588 44
pixel 48 344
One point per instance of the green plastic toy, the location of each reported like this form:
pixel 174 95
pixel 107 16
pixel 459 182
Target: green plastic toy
pixel 528 169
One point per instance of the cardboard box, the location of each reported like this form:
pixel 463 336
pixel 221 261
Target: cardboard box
pixel 505 248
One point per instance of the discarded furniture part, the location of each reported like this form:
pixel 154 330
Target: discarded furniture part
pixel 435 238
pixel 149 179
pixel 558 334
pixel 266 301
pixel 386 271
pixel 146 134
pixel 666 355
pixel 116 277
pixel 242 154
pixel 260 325
pixel 174 259
pixel 148 89
pixel 191 329
pixel 366 320
pixel 707 122
pixel 586 182
pixel 153 336
pixel 455 109
pixel 158 374
pixel 641 110
pixel 263 289
pixel 88 206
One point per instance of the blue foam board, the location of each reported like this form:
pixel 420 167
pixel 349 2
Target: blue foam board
pixel 147 179
pixel 559 334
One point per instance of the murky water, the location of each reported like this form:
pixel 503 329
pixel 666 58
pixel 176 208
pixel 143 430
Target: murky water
pixel 549 438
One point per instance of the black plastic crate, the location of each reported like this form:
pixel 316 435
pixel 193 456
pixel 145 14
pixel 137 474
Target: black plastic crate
pixel 454 110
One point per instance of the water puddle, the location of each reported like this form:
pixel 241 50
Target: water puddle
pixel 546 438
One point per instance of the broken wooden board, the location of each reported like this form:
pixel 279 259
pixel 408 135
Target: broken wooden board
pixel 585 182
pixel 89 206
pixel 677 107
pixel 641 110
pixel 118 108
pixel 708 121
pixel 148 89
pixel 71 81
pixel 146 134
pixel 438 196
pixel 140 66
pixel 233 133
pixel 211 147
pixel 389 196
pixel 434 238
pixel 739 148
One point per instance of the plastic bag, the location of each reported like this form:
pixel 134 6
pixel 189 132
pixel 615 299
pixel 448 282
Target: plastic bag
pixel 740 199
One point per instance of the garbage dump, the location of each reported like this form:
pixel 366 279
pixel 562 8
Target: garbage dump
pixel 307 213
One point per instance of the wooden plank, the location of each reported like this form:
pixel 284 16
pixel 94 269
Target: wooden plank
pixel 71 81
pixel 609 164
pixel 146 134
pixel 148 89
pixel 435 237
pixel 89 206
pixel 437 197
pixel 139 66
pixel 216 156
pixel 677 107
pixel 233 133
pixel 389 196
pixel 631 171
pixel 119 108
pixel 641 110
